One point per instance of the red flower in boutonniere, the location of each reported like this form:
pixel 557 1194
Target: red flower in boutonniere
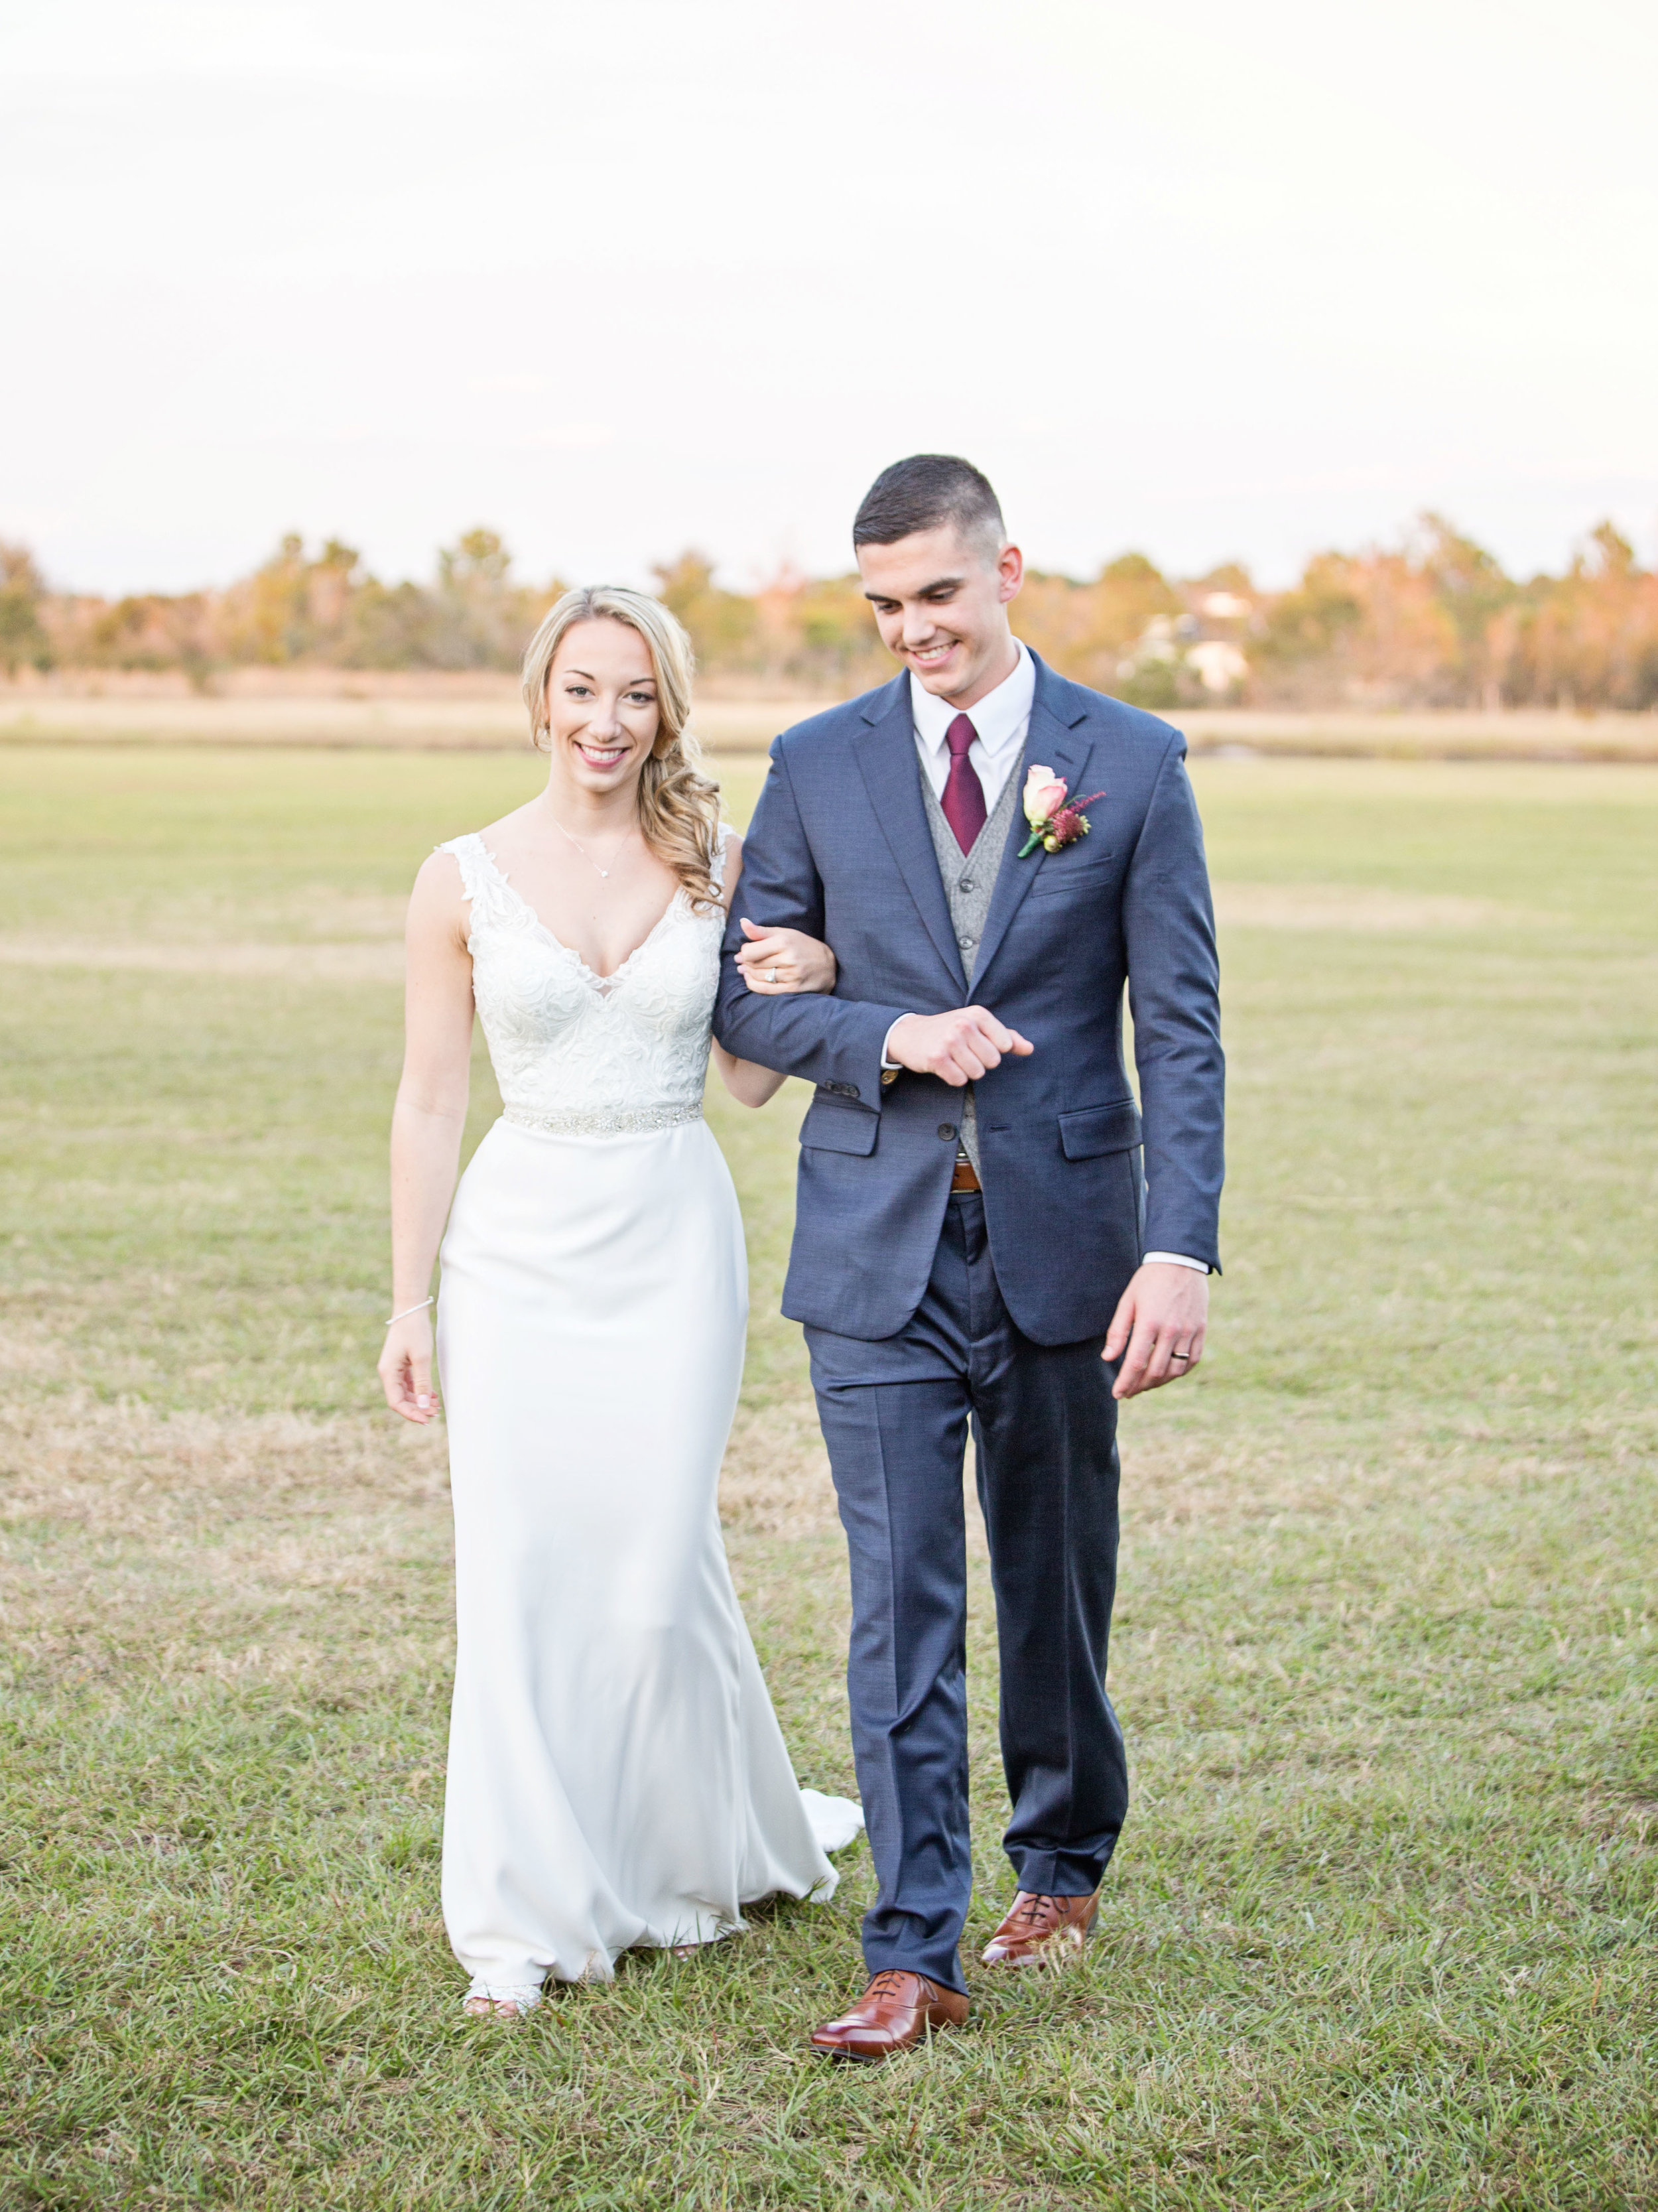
pixel 1054 823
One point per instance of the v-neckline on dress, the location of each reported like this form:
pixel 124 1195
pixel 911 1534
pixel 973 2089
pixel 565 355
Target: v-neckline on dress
pixel 603 986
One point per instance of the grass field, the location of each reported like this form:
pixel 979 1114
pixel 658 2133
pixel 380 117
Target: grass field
pixel 1380 1932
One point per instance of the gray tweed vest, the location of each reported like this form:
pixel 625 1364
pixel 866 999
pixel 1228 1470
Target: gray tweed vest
pixel 969 879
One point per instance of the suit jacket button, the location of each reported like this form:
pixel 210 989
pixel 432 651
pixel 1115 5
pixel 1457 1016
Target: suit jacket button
pixel 947 1131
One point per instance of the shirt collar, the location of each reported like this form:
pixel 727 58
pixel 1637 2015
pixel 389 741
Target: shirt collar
pixel 1000 717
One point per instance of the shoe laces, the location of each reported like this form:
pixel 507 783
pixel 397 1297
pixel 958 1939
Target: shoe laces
pixel 1036 1911
pixel 887 1983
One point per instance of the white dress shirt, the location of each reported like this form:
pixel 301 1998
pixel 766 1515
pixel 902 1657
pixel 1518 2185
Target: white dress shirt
pixel 1001 721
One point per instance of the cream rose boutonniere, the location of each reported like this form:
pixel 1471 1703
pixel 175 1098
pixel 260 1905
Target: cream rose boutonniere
pixel 1055 820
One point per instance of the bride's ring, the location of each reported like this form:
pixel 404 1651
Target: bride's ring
pixel 771 975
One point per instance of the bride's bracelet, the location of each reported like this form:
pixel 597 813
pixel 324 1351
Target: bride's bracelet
pixel 407 1310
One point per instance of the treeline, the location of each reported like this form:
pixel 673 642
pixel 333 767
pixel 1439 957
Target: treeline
pixel 1433 621
pixel 298 609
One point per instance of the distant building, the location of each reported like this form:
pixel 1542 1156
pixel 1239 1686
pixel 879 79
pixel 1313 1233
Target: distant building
pixel 1179 657
pixel 1217 662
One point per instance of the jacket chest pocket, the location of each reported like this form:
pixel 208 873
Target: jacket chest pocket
pixel 1063 877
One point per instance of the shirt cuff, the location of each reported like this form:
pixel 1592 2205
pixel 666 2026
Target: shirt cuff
pixel 889 1065
pixel 1169 1259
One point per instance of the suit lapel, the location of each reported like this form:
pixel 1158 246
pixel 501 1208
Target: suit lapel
pixel 885 752
pixel 1058 738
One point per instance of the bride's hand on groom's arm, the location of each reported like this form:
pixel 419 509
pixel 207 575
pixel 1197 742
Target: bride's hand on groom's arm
pixel 776 962
pixel 958 1047
pixel 773 964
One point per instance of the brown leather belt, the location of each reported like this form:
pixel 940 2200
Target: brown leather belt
pixel 966 1177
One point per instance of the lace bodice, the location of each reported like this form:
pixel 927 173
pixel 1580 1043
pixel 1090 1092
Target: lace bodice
pixel 580 1054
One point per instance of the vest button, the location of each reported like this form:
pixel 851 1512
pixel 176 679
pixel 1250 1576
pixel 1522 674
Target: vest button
pixel 966 884
pixel 966 942
pixel 947 1131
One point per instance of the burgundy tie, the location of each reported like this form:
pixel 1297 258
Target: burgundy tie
pixel 963 802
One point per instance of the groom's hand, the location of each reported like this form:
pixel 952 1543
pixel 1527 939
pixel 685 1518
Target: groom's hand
pixel 1158 1328
pixel 958 1047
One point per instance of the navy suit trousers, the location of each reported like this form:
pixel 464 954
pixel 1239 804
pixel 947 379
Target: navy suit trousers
pixel 894 1414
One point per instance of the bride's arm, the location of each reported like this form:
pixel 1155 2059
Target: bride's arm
pixel 773 962
pixel 427 1123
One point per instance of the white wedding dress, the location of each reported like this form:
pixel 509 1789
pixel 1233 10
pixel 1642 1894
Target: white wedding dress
pixel 616 1775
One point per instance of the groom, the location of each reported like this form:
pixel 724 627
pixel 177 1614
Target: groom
pixel 975 1240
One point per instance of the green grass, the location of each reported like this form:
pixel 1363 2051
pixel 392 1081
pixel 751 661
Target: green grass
pixel 1380 1931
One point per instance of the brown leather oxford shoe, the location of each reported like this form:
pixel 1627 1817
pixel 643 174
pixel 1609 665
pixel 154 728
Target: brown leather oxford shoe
pixel 1042 1931
pixel 897 2011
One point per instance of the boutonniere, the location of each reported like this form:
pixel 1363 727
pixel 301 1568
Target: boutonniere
pixel 1055 822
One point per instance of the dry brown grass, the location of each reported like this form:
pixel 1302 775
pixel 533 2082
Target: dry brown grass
pixel 775 1481
pixel 1343 733
pixel 479 715
pixel 479 711
pixel 209 1544
pixel 368 962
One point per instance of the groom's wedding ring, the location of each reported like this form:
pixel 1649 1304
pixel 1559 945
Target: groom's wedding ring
pixel 1179 1355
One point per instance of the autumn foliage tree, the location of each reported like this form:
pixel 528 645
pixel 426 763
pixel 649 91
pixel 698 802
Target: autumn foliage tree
pixel 22 588
pixel 1431 622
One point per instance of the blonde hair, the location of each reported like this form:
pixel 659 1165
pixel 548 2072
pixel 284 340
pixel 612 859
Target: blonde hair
pixel 678 805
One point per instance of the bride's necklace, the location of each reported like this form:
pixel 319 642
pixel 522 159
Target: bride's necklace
pixel 584 854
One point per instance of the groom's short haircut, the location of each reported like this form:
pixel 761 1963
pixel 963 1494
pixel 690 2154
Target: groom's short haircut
pixel 924 492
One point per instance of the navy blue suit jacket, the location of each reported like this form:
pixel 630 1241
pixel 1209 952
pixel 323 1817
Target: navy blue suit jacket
pixel 840 847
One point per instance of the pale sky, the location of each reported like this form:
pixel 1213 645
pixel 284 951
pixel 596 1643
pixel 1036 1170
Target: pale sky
pixel 1215 281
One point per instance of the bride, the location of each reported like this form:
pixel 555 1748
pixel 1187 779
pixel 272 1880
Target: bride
pixel 616 1775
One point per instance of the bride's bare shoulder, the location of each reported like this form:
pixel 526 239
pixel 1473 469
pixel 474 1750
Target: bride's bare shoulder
pixel 438 900
pixel 441 871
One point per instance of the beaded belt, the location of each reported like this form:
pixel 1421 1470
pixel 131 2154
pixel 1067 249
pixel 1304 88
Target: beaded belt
pixel 604 1122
